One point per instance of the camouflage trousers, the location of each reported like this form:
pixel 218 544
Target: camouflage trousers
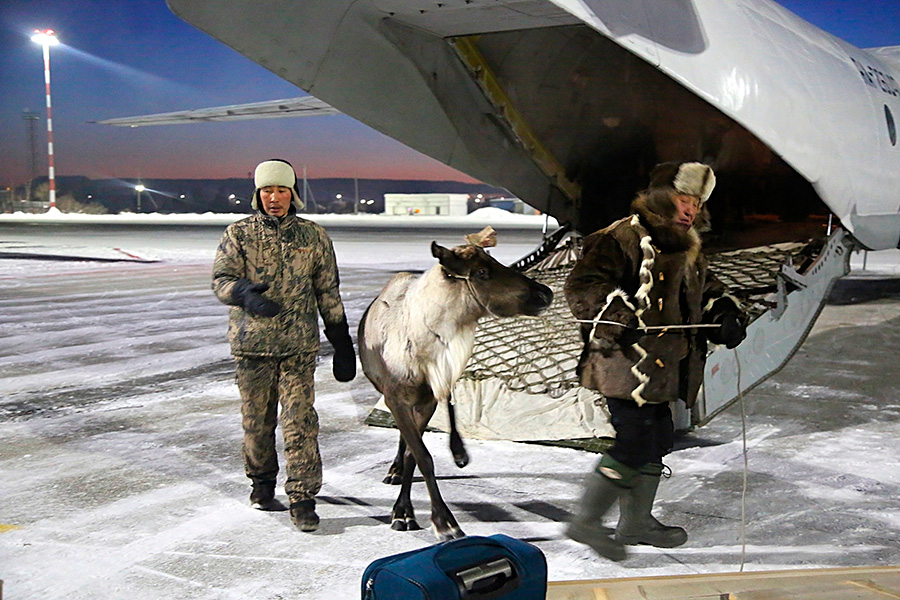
pixel 265 383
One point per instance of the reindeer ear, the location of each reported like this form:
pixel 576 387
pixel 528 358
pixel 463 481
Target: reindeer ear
pixel 438 251
pixel 451 262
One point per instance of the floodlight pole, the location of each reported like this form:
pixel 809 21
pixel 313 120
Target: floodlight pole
pixel 47 38
pixel 51 170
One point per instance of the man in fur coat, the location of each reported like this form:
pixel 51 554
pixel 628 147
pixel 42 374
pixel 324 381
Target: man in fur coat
pixel 641 271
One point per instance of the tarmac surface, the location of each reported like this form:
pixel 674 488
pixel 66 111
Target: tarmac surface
pixel 121 476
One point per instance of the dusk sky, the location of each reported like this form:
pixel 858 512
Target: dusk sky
pixel 126 58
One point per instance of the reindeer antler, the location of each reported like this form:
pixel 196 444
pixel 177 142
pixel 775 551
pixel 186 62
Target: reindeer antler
pixel 486 238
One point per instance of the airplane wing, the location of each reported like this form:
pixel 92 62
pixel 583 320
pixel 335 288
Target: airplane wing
pixel 306 106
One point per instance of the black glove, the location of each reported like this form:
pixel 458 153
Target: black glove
pixel 249 295
pixel 731 330
pixel 731 321
pixel 630 334
pixel 344 363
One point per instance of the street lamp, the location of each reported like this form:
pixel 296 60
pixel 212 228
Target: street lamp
pixel 138 189
pixel 47 38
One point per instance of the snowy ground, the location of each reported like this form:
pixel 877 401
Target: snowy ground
pixel 121 477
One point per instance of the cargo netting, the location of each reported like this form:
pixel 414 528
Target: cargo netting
pixel 538 355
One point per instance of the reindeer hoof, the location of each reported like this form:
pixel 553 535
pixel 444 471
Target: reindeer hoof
pixel 448 534
pixel 391 479
pixel 399 525
pixel 461 459
pixel 405 524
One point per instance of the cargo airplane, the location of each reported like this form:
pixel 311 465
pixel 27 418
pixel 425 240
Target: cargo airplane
pixel 568 104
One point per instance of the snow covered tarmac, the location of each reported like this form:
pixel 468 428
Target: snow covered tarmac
pixel 121 476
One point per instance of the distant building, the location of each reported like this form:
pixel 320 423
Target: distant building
pixel 513 205
pixel 426 204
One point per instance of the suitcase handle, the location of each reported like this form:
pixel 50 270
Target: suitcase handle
pixel 487 581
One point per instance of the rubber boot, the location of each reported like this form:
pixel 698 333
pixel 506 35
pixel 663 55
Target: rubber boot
pixel 600 493
pixel 636 524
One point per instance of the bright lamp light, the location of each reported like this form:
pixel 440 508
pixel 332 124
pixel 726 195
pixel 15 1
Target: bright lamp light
pixel 45 37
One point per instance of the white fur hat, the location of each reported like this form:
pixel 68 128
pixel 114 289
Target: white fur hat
pixel 691 178
pixel 275 172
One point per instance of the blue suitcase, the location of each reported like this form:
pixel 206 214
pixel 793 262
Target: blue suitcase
pixel 469 568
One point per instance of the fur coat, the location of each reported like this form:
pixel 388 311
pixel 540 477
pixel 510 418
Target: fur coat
pixel 646 267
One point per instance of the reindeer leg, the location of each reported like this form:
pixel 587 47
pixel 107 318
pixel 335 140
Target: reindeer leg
pixel 411 425
pixel 457 448
pixel 403 516
pixel 395 472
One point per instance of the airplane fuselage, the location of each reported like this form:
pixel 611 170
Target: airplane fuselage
pixel 568 103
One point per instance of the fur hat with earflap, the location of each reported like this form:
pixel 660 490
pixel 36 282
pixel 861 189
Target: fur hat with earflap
pixel 275 172
pixel 691 178
pixel 657 210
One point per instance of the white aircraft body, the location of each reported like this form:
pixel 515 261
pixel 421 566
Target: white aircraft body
pixel 515 92
pixel 569 103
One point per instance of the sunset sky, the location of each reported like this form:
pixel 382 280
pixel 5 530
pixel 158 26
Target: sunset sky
pixel 126 58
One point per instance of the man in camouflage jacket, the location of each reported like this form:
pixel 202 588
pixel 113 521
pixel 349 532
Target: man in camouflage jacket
pixel 646 270
pixel 278 272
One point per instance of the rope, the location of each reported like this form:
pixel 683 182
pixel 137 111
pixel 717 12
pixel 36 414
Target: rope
pixel 540 357
pixel 471 289
pixel 478 300
pixel 533 355
pixel 746 467
pixel 641 328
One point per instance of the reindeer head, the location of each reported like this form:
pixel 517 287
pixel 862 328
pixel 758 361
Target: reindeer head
pixel 500 290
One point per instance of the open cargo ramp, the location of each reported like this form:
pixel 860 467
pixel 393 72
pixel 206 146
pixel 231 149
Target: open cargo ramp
pixel 783 316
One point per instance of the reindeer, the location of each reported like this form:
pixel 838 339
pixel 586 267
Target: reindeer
pixel 415 340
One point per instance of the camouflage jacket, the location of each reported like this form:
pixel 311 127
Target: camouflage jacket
pixel 296 258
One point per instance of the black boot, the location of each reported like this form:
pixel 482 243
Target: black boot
pixel 586 527
pixel 303 515
pixel 636 524
pixel 262 497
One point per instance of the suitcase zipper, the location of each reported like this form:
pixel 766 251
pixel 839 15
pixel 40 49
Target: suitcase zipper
pixel 370 583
